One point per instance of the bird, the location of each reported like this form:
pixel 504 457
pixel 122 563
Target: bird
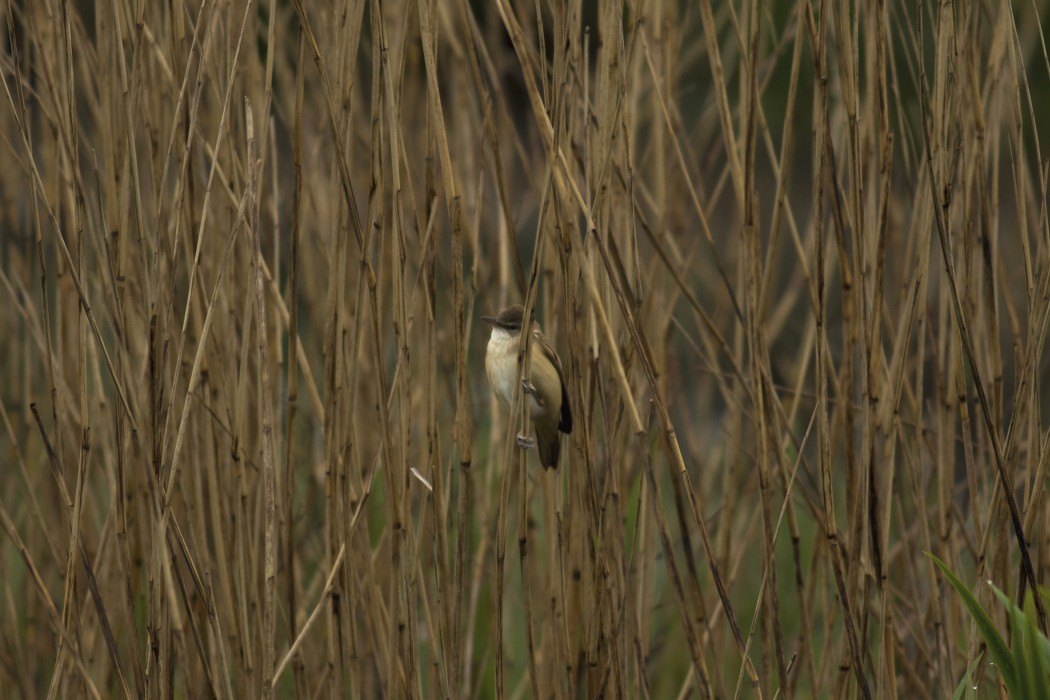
pixel 549 407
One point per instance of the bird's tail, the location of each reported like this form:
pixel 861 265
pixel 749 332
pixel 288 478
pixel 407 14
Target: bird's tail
pixel 550 449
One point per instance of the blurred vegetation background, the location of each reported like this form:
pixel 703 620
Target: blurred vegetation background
pixel 793 256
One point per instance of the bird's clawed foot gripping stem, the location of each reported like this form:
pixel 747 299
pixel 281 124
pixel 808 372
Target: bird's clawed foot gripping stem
pixel 526 442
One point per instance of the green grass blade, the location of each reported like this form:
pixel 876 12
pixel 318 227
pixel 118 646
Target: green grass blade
pixel 965 689
pixel 1035 662
pixel 997 647
pixel 1031 649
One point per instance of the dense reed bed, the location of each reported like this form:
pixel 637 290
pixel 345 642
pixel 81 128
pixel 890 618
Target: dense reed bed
pixel 794 257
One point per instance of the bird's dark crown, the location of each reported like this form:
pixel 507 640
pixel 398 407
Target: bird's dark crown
pixel 509 319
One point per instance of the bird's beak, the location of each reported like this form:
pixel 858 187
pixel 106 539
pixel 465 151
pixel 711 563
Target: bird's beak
pixel 491 320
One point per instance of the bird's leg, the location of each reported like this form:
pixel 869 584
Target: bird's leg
pixel 524 441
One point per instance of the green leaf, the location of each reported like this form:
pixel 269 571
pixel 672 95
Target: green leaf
pixel 997 648
pixel 1035 667
pixel 965 688
pixel 1031 648
pixel 1028 616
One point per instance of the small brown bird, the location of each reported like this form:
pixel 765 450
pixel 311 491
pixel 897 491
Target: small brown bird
pixel 549 409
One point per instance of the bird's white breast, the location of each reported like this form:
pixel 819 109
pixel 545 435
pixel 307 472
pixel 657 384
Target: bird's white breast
pixel 500 364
